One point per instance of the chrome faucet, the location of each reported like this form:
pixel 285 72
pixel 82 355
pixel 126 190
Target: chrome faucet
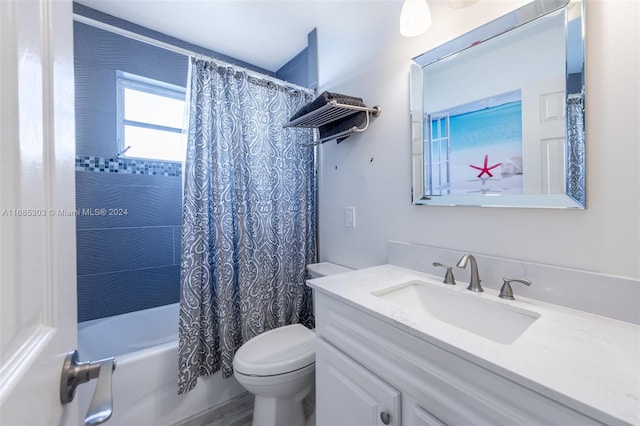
pixel 474 283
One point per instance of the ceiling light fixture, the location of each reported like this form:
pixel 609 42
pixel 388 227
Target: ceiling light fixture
pixel 415 18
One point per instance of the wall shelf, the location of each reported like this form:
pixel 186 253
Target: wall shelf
pixel 331 112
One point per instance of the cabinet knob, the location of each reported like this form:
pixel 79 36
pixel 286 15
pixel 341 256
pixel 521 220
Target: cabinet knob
pixel 385 417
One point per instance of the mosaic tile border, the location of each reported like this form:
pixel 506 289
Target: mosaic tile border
pixel 127 166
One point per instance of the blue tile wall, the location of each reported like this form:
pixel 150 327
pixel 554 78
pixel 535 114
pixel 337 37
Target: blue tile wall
pixel 177 234
pixel 103 295
pixel 129 261
pixel 312 51
pixel 130 201
pixel 303 68
pixel 98 54
pixel 129 257
pixel 296 70
pixel 86 163
pixel 129 26
pixel 124 249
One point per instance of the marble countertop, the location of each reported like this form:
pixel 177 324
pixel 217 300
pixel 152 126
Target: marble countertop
pixel 585 361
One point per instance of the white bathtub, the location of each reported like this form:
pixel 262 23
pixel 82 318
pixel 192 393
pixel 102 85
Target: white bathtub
pixel 145 383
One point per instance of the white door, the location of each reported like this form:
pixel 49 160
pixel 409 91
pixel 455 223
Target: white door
pixel 37 201
pixel 347 394
pixel 543 130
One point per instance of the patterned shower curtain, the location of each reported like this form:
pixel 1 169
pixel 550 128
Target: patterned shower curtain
pixel 248 219
pixel 576 157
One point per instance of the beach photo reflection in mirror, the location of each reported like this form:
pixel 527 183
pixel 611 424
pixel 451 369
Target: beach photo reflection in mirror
pixel 497 115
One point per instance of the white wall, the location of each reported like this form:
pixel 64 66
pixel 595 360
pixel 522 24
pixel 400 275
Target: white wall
pixel 372 171
pixel 502 67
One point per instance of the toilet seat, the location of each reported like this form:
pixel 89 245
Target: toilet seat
pixel 278 351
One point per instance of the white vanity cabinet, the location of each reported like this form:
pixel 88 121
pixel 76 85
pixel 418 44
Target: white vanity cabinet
pixel 374 372
pixel 352 395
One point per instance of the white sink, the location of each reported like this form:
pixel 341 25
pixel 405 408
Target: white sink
pixel 490 319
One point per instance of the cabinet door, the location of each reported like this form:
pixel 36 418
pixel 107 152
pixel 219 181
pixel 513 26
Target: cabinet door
pixel 422 417
pixel 347 394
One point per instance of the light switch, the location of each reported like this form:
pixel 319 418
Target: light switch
pixel 350 217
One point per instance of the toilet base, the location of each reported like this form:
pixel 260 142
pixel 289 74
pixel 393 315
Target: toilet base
pixel 290 410
pixel 311 421
pixel 287 411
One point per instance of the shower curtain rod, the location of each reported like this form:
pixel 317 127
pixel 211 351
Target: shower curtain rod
pixel 175 49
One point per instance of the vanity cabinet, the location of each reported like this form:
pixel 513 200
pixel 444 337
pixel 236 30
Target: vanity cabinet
pixel 352 394
pixel 372 372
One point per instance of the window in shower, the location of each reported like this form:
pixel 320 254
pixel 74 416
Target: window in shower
pixel 150 118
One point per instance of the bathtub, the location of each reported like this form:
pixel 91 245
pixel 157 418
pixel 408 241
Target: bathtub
pixel 145 383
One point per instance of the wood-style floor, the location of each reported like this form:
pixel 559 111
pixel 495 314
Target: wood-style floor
pixel 239 412
pixel 235 412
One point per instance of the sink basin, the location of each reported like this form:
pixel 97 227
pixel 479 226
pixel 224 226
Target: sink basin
pixel 493 320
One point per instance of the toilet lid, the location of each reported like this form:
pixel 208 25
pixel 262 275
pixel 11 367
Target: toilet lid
pixel 277 351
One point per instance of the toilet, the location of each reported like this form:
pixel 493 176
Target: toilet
pixel 278 367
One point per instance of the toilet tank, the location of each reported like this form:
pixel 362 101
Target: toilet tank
pixel 322 269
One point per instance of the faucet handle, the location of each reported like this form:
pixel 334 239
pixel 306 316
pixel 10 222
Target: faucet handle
pixel 448 277
pixel 506 292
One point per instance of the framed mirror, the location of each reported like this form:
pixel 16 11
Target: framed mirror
pixel 497 114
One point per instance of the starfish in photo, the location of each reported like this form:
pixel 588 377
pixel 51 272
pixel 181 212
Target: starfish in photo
pixel 485 169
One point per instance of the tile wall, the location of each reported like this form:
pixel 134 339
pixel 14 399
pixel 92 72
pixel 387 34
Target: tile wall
pixel 129 211
pixel 128 222
pixel 128 242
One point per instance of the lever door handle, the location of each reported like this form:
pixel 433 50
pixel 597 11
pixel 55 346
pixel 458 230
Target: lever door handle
pixel 101 406
pixel 75 373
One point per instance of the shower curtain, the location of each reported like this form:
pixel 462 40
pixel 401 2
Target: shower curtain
pixel 576 160
pixel 249 217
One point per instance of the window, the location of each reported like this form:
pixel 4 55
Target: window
pixel 439 161
pixel 150 118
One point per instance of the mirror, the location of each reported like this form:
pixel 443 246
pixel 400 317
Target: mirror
pixel 497 116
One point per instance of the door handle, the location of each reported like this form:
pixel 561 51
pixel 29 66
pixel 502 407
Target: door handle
pixel 75 373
